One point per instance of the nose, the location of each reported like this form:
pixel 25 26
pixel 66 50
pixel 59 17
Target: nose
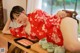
pixel 18 20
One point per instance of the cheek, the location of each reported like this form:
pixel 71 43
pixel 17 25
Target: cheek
pixel 24 19
pixel 21 20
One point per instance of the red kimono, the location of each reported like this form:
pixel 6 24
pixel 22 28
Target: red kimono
pixel 42 26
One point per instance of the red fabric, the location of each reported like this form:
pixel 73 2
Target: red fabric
pixel 54 34
pixel 37 22
pixel 18 32
pixel 42 25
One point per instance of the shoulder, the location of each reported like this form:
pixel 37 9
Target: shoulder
pixel 68 20
pixel 68 23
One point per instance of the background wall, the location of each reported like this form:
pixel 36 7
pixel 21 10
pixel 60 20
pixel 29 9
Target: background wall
pixel 33 4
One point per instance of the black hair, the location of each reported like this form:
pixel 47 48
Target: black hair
pixel 17 10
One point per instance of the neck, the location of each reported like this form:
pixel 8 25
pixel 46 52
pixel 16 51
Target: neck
pixel 28 28
pixel 27 21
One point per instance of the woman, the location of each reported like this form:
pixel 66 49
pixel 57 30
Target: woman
pixel 38 25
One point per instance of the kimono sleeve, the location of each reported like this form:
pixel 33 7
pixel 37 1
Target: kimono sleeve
pixel 13 31
pixel 19 32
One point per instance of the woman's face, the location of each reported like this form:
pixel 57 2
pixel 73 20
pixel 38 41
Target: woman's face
pixel 20 18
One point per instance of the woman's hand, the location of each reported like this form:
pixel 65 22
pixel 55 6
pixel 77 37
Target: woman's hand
pixel 61 14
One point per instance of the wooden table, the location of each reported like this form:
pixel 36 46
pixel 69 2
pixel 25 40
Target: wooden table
pixel 35 48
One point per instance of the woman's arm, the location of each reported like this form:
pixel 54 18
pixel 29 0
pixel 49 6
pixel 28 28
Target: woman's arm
pixel 69 31
pixel 6 27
